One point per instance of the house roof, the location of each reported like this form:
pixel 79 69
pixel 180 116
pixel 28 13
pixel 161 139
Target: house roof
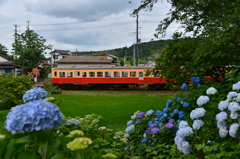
pixel 110 55
pixel 5 57
pixel 62 52
pixel 84 60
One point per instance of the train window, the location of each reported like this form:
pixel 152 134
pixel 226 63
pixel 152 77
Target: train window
pixel 99 74
pixel 140 74
pixel 124 74
pixel 91 74
pixel 107 74
pixel 77 73
pixel 55 74
pixel 84 74
pixel 62 74
pixel 116 74
pixel 132 73
pixel 69 74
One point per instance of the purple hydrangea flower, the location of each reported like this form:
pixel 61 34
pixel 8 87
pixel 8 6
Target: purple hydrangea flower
pixel 139 122
pixel 147 131
pixel 171 120
pixel 155 130
pixel 184 86
pixel 169 125
pixel 35 94
pixel 153 125
pixel 33 116
pixel 141 115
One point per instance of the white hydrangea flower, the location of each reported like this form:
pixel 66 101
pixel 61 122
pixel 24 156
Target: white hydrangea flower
pixel 236 86
pixel 233 106
pixel 221 124
pixel 221 116
pixel 197 124
pixel 223 105
pixel 234 115
pixel 133 116
pixel 238 98
pixel 211 91
pixel 202 100
pixel 233 129
pixel 183 124
pixel 231 95
pixel 184 132
pixel 197 113
pixel 223 132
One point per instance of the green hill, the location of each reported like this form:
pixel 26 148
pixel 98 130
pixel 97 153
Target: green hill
pixel 146 49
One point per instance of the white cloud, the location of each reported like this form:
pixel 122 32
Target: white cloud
pixel 80 24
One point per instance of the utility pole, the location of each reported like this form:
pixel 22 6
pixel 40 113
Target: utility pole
pixel 15 36
pixel 28 25
pixel 136 50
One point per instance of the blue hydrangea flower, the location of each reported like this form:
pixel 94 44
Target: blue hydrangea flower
pixel 184 86
pixel 130 128
pixel 186 105
pixel 181 114
pixel 33 116
pixel 197 113
pixel 168 104
pixel 35 94
pixel 129 123
pixel 223 105
pixel 150 112
pixel 175 111
pixel 178 99
pixel 196 80
pixel 197 124
pixel 72 121
pixel 145 140
pixel 165 110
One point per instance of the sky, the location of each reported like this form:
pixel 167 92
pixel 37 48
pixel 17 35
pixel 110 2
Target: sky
pixel 82 25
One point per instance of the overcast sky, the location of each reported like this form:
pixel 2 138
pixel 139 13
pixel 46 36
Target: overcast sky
pixel 85 25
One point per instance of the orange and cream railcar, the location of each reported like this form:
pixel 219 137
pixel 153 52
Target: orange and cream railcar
pixel 108 77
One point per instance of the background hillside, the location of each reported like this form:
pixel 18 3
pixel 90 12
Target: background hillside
pixel 146 49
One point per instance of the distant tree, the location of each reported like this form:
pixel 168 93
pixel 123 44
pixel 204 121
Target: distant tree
pixel 4 52
pixel 214 45
pixel 29 48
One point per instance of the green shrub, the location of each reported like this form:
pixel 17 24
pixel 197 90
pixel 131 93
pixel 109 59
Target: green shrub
pixel 12 89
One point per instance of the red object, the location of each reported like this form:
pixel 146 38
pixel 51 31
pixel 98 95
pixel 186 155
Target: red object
pixel 35 71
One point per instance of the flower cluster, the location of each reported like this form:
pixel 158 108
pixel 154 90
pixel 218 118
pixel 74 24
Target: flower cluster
pixel 79 143
pixel 180 139
pixel 232 104
pixel 73 121
pixel 33 116
pixel 35 94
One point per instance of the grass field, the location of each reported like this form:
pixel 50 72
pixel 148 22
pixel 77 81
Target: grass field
pixel 116 107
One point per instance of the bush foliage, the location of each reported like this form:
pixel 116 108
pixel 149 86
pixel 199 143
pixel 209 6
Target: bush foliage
pixel 12 89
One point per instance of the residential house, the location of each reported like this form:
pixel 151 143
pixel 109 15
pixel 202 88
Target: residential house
pixel 7 66
pixel 58 55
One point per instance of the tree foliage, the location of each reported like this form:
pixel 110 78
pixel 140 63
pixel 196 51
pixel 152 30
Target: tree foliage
pixel 29 49
pixel 4 52
pixel 214 45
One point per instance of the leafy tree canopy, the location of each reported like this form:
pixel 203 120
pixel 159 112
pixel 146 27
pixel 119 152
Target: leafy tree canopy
pixel 214 45
pixel 4 52
pixel 29 49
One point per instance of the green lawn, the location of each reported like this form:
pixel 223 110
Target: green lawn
pixel 116 107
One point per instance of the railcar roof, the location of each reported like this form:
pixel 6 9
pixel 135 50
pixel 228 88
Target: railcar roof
pixel 84 59
pixel 110 68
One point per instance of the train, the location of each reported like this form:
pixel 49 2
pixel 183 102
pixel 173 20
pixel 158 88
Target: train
pixel 106 77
